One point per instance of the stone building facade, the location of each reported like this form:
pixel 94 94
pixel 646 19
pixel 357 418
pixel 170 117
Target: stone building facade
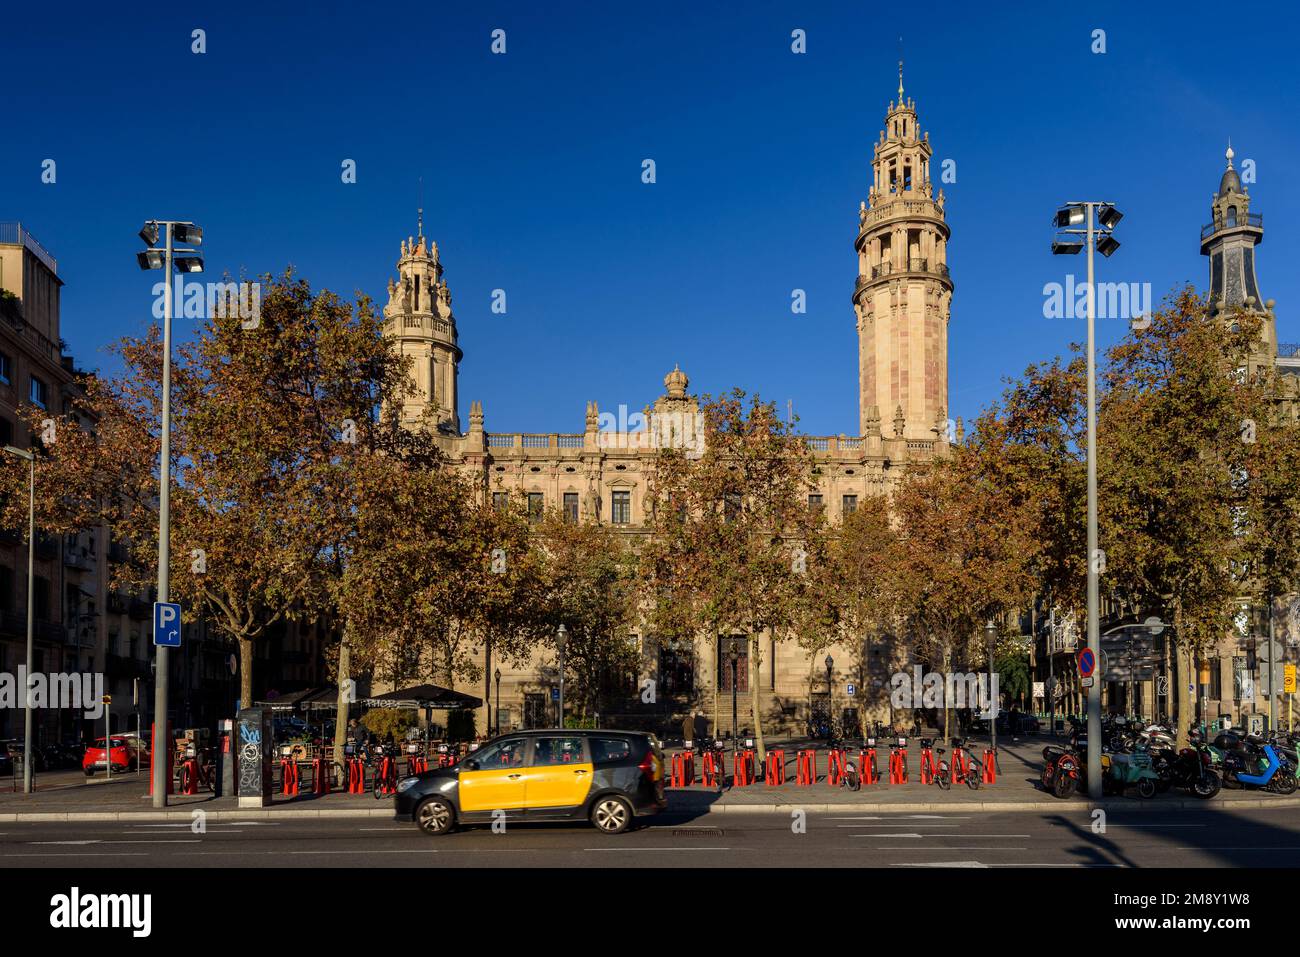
pixel 598 471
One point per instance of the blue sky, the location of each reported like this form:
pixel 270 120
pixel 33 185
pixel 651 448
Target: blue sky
pixel 531 164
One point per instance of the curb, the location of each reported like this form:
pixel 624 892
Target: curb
pixel 785 807
pixel 1010 806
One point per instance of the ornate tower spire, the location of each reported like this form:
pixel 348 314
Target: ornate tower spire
pixel 419 317
pixel 1229 240
pixel 904 292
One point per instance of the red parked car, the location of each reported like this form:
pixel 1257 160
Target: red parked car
pixel 127 755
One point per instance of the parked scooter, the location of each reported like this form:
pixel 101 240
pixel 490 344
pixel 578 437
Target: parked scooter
pixel 1253 763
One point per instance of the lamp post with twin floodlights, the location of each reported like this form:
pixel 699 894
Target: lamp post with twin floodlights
pixel 1090 226
pixel 186 261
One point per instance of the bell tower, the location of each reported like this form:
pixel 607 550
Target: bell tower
pixel 903 293
pixel 1229 240
pixel 418 316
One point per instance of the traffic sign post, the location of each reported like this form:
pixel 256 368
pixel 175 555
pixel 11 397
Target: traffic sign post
pixel 167 624
pixel 851 690
pixel 1087 664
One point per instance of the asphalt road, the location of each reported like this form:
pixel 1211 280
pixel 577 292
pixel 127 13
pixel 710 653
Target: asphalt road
pixel 1259 838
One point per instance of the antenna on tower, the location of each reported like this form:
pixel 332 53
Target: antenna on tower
pixel 419 211
pixel 789 412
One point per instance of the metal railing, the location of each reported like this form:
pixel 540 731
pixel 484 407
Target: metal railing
pixel 912 266
pixel 1288 350
pixel 14 234
pixel 1249 219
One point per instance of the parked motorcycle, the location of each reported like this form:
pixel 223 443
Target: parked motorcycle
pixel 1192 768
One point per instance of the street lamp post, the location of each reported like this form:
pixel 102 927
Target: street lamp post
pixel 1099 221
pixel 990 633
pixel 734 657
pixel 166 259
pixel 830 668
pixel 560 636
pixel 31 585
pixel 497 722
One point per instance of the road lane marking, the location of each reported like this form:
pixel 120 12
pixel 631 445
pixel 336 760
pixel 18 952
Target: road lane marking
pixel 898 825
pixel 82 854
pixel 941 864
pixel 656 848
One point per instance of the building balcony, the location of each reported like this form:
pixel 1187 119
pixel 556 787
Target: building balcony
pixel 79 559
pixel 924 267
pixel 1253 220
pixel 13 624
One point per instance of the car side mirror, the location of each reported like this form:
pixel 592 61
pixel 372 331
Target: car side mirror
pixel 470 764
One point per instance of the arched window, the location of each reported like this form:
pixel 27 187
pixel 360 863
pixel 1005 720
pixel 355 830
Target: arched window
pixel 1232 215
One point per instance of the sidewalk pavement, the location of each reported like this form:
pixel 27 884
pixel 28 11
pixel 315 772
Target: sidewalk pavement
pixel 1020 760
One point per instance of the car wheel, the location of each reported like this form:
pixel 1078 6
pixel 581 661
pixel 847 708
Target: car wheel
pixel 435 816
pixel 611 814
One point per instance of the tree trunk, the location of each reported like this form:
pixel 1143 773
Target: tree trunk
pixel 245 673
pixel 341 707
pixel 487 686
pixel 754 700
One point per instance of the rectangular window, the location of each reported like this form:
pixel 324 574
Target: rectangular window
pixel 41 604
pixel 571 507
pixel 1216 679
pixel 850 503
pixel 6 431
pixel 39 394
pixel 6 368
pixel 500 499
pixel 620 508
pixel 536 505
pixel 816 503
pixel 676 670
pixel 1243 682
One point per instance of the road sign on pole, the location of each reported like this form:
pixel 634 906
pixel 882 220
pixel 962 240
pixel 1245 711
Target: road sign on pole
pixel 167 624
pixel 1087 663
pixel 851 690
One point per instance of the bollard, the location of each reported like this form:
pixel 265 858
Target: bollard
pixel 320 776
pixel 775 770
pixel 836 767
pixel 680 776
pixel 806 768
pixel 867 770
pixel 742 768
pixel 898 762
pixel 712 777
pixel 356 776
pixel 288 777
pixel 928 764
pixel 960 765
pixel 990 775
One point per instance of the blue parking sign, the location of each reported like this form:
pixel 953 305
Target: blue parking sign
pixel 555 694
pixel 167 624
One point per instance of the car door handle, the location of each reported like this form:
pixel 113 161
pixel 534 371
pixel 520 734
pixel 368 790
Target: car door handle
pixel 579 771
pixel 514 776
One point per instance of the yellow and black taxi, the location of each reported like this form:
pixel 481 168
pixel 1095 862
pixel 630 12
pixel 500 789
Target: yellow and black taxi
pixel 606 777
